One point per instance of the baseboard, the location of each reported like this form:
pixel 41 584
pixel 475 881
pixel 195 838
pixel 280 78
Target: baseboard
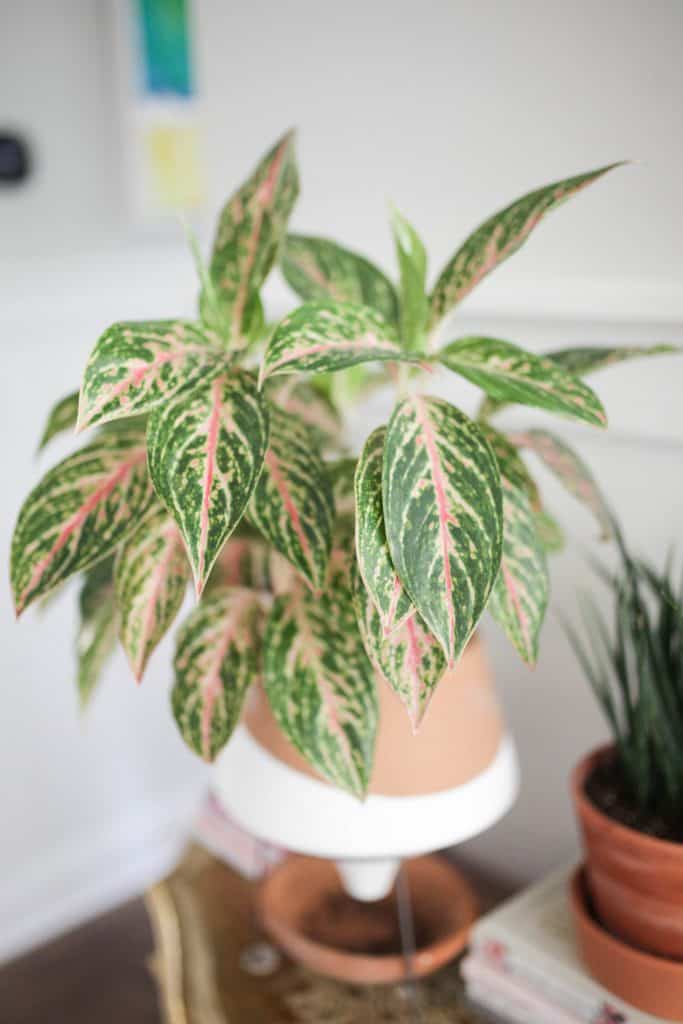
pixel 78 880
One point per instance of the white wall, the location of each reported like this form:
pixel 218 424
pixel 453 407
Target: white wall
pixel 450 109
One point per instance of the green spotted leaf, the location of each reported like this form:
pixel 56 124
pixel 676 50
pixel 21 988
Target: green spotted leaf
pixel 511 464
pixel 443 515
pixel 315 410
pixel 319 337
pixel 409 659
pixel 97 628
pixel 136 367
pixel 372 548
pixel 62 417
pixel 317 268
pixel 511 374
pixel 587 359
pixel 549 531
pixel 320 682
pixel 80 512
pixel 151 577
pixel 519 598
pixel 499 237
pixel 250 230
pixel 412 262
pixel 205 454
pixel 217 658
pixel 570 470
pixel 292 502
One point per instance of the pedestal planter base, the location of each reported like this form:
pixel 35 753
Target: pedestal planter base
pixel 305 908
pixel 651 983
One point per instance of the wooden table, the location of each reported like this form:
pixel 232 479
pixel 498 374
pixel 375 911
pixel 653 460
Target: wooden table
pixel 175 956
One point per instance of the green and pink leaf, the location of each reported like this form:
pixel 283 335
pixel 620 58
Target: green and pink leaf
pixel 372 548
pixel 409 659
pixel 136 367
pixel 510 374
pixel 570 470
pixel 218 656
pixel 519 598
pixel 320 337
pixel 97 628
pixel 205 454
pixel 151 577
pixel 443 515
pixel 321 684
pixel 292 504
pixel 317 268
pixel 80 512
pixel 62 417
pixel 498 238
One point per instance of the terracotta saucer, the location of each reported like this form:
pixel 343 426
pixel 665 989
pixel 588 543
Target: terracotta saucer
pixel 305 910
pixel 650 983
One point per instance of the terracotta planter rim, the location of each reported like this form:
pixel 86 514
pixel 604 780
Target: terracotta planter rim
pixel 589 810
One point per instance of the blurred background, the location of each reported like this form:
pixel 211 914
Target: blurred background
pixel 450 110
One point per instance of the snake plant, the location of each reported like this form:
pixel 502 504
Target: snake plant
pixel 213 455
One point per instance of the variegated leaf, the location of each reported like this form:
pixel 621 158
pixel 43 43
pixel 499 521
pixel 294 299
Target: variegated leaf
pixel 412 262
pixel 151 577
pixel 511 374
pixel 372 548
pixel 443 515
pixel 410 660
pixel 499 237
pixel 570 470
pixel 510 463
pixel 250 229
pixel 591 358
pixel 242 562
pixel 97 628
pixel 205 454
pixel 548 531
pixel 315 410
pixel 136 367
pixel 584 360
pixel 62 417
pixel 321 685
pixel 324 336
pixel 317 268
pixel 81 511
pixel 218 656
pixel 520 596
pixel 292 503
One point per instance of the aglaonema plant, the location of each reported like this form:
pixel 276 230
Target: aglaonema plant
pixel 215 456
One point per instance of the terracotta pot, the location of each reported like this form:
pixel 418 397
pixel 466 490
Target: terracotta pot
pixel 650 983
pixel 457 740
pixel 303 906
pixel 635 880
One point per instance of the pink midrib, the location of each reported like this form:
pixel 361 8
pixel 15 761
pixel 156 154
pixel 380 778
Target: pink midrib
pixel 444 517
pixel 157 583
pixel 265 192
pixel 292 511
pixel 99 495
pixel 209 469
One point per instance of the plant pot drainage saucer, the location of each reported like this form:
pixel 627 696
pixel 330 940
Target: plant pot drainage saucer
pixel 304 908
pixel 650 983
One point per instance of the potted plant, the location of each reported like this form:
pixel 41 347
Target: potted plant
pixel 214 456
pixel 629 795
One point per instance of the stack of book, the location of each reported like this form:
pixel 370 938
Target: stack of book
pixel 523 965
